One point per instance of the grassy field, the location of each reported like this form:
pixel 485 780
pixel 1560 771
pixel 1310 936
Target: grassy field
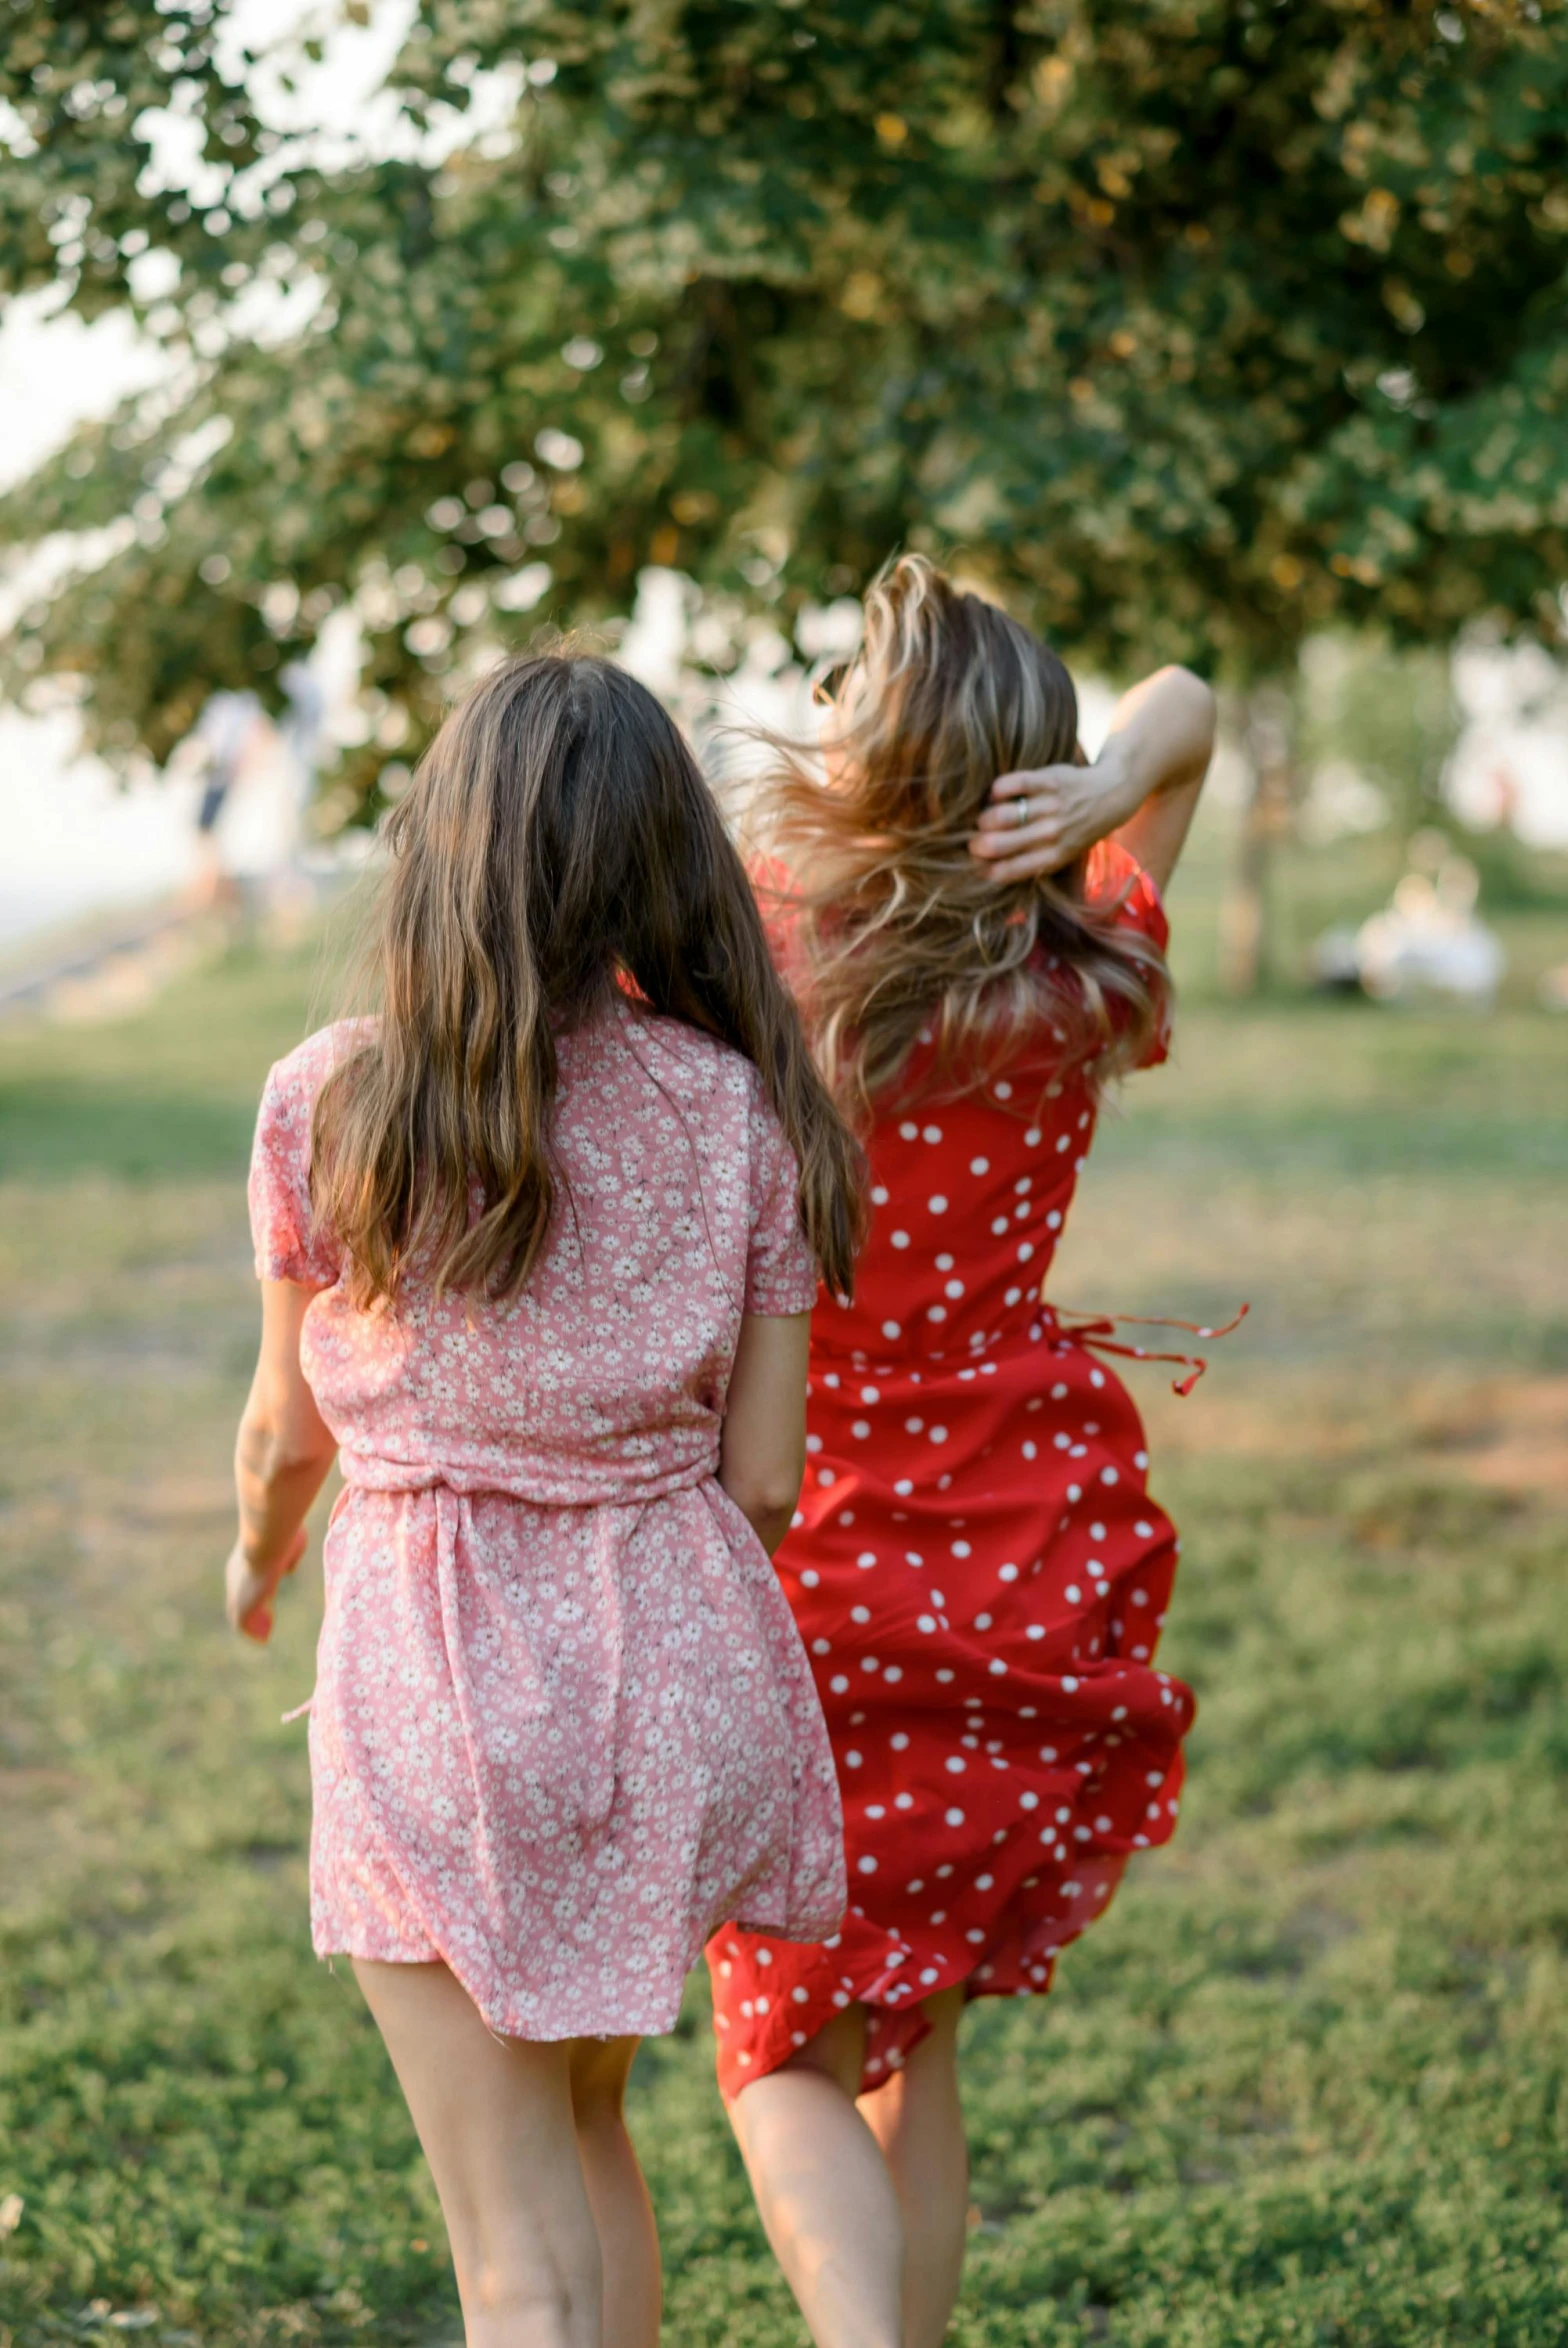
pixel 1308 2083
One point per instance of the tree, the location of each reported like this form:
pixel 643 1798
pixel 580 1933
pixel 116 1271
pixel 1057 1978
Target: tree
pixel 1191 325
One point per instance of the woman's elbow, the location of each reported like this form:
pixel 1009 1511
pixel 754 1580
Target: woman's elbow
pixel 268 1451
pixel 766 1496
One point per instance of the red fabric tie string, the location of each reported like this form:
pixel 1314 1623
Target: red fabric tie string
pixel 1097 1331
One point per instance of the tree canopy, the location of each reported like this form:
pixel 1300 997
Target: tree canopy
pixel 1191 325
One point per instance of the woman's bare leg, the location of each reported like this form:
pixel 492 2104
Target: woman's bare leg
pixel 823 2189
pixel 917 2119
pixel 623 2214
pixel 495 2118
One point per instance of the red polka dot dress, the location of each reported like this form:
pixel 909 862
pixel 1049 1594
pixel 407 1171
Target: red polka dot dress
pixel 980 1578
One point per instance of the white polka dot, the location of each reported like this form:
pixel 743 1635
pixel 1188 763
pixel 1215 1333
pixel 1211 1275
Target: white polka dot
pixel 962 1549
pixel 1028 1801
pixel 944 1263
pixel 954 1818
pixel 870 1394
pixel 826 1476
pixel 982 1622
pixel 912 1426
pixel 839 1686
pixel 1053 1221
pixel 867 1866
pixel 861 1429
pixel 903 1487
pixel 938 1434
pixel 953 1288
pixel 801 1996
pixel 900 1238
pixel 1025 1252
pixel 1036 1630
pixel 979 1165
pixel 931 1133
pixel 853 1760
pixel 936 1312
pixel 1107 1475
pixel 809 1578
pixel 900 1742
pixel 930 1974
pixel 1003 1091
pixel 937 1205
pixel 908 1131
pixel 1069 1684
pixel 957 1764
pixel 878 1195
pixel 821 1646
pixel 1144 1532
pixel 1007 1573
pixel 813 1442
pixel 903 1801
pixel 996 1667
pixel 1032 1138
pixel 1031 1451
pixel 891 1329
pixel 860 1614
pixel 1072 1594
pixel 998 1226
pixel 893 1674
pixel 866 1557
pixel 1012 1296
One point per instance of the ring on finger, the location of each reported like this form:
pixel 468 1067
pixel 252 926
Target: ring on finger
pixel 1021 817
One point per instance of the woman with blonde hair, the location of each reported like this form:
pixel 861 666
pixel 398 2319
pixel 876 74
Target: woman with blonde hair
pixel 976 1566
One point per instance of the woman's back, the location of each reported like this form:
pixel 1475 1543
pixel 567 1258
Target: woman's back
pixel 604 1379
pixel 970 1191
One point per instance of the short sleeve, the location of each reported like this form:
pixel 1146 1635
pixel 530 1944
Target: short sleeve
pixel 781 1272
pixel 287 1245
pixel 1116 881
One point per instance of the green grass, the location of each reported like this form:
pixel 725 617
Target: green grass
pixel 1308 2082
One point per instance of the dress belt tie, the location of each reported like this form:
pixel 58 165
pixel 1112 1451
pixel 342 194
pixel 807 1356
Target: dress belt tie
pixel 1097 1331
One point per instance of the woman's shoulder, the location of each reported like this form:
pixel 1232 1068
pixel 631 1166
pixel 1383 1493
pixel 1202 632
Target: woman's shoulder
pixel 294 1081
pixel 1115 882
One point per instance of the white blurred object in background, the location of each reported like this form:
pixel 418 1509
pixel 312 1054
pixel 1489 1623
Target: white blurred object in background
pixel 1430 941
pixel 1509 768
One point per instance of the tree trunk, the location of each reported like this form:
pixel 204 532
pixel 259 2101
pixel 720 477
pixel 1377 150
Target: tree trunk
pixel 1268 740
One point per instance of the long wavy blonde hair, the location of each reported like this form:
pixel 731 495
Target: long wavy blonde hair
pixel 896 928
pixel 559 852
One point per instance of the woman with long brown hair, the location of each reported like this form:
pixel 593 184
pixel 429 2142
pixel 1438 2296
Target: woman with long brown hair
pixel 976 1565
pixel 537 1248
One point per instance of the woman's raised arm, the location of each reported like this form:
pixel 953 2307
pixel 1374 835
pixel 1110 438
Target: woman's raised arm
pixel 1142 788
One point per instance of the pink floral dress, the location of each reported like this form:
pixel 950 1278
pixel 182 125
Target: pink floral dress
pixel 563 1722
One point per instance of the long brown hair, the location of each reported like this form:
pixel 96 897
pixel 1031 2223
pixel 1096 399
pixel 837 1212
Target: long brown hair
pixel 557 849
pixel 899 928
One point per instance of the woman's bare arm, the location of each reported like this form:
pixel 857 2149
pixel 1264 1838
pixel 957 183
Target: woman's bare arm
pixel 762 1450
pixel 1142 789
pixel 281 1459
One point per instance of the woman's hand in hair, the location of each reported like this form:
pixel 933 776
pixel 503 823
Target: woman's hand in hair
pixel 1143 786
pixel 1046 817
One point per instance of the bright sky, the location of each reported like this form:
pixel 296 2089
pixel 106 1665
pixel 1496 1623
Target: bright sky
pixel 72 839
